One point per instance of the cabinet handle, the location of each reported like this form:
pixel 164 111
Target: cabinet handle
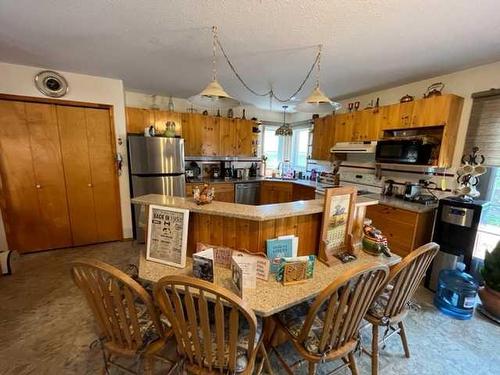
pixel 38 186
pixel 89 185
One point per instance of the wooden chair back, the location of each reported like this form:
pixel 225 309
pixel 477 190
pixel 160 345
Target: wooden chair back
pixel 344 303
pixel 122 307
pixel 406 276
pixel 198 310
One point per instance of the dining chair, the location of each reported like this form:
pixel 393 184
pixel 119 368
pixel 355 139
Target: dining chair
pixel 390 307
pixel 215 330
pixel 128 321
pixel 327 328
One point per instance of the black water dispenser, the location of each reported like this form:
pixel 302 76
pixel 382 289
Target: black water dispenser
pixel 455 230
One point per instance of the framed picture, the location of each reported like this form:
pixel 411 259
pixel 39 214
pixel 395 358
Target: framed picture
pixel 167 235
pixel 336 228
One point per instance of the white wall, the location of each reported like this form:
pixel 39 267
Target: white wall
pixel 18 80
pixel 462 83
pixel 141 100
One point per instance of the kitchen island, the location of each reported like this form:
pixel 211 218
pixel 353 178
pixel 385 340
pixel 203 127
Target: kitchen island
pixel 241 226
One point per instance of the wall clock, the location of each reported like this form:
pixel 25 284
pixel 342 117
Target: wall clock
pixel 51 84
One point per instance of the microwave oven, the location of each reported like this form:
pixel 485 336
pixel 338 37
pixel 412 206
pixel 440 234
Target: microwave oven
pixel 417 150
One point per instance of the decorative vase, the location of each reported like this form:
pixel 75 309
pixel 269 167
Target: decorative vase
pixel 491 300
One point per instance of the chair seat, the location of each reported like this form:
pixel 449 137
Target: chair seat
pixel 293 320
pixel 377 309
pixel 241 348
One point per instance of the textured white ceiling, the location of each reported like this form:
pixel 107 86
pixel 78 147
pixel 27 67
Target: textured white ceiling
pixel 164 47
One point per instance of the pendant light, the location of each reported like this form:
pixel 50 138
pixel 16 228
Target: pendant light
pixel 284 130
pixel 214 96
pixel 317 101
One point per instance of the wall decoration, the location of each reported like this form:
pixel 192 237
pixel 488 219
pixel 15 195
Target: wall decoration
pixel 336 237
pixel 167 235
pixel 51 84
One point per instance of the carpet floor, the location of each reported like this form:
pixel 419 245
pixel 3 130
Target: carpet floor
pixel 46 326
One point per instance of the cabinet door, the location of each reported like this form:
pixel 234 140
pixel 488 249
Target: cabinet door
pixel 192 133
pixel 227 136
pixel 104 179
pixel 244 137
pixel 210 136
pixel 162 117
pixel 75 155
pixel 433 111
pixel 224 192
pixel 138 119
pixel 343 127
pixel 399 116
pixel 49 174
pixel 359 125
pixel 319 135
pixel 23 218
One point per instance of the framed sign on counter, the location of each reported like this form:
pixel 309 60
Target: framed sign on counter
pixel 336 237
pixel 167 235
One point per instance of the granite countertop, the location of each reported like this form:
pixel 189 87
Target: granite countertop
pixel 309 183
pixel 244 211
pixel 400 203
pixel 269 297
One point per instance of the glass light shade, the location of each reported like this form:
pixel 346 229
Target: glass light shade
pixel 318 102
pixel 214 96
pixel 284 131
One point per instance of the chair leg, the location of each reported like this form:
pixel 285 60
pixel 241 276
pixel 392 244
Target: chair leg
pixel 375 349
pixel 402 334
pixel 265 360
pixel 352 363
pixel 312 368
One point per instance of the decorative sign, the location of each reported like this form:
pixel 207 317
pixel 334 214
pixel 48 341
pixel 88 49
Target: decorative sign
pixel 337 222
pixel 167 235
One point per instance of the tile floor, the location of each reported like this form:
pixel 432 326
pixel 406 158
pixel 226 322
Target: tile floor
pixel 46 327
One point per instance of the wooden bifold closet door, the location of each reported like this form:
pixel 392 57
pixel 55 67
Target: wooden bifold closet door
pixel 91 184
pixel 57 180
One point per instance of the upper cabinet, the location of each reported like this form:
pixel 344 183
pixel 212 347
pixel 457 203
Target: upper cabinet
pixel 203 135
pixel 369 124
pixel 325 127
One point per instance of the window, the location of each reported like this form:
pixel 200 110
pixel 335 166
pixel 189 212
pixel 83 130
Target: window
pixel 300 147
pixel 272 147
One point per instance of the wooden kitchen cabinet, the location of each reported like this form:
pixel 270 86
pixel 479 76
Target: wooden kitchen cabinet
pixel 138 119
pixel 303 193
pixel 227 128
pixel 437 110
pixel 323 137
pixel 344 124
pixel 397 116
pixel 162 117
pixel 224 192
pixel 275 192
pixel 244 137
pixel 405 230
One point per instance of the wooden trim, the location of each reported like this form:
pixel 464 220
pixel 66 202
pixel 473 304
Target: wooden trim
pixel 35 99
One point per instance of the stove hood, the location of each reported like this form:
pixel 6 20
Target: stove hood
pixel 364 147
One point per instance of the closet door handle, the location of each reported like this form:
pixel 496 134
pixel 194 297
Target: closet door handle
pixel 38 186
pixel 89 185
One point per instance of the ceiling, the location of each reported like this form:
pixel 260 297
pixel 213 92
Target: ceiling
pixel 164 47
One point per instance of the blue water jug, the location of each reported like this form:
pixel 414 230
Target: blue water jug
pixel 456 293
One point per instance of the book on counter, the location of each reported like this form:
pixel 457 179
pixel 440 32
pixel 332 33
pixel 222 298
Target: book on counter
pixel 203 265
pixel 244 273
pixel 281 247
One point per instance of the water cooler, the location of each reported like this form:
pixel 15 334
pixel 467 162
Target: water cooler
pixel 455 230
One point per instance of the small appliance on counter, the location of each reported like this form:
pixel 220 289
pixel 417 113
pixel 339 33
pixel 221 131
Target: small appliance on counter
pixel 412 190
pixel 455 230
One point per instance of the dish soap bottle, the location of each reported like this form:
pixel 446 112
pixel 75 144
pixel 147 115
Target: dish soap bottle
pixel 456 293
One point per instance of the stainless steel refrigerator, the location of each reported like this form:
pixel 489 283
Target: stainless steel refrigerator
pixel 156 167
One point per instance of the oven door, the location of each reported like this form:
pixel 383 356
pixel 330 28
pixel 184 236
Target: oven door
pixel 398 151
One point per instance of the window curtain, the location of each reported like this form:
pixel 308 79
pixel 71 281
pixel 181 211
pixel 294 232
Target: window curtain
pixel 484 126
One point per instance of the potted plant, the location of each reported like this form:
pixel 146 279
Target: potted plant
pixel 490 293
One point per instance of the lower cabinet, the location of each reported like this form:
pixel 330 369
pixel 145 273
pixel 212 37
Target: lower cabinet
pixel 224 192
pixel 275 192
pixel 303 193
pixel 405 230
